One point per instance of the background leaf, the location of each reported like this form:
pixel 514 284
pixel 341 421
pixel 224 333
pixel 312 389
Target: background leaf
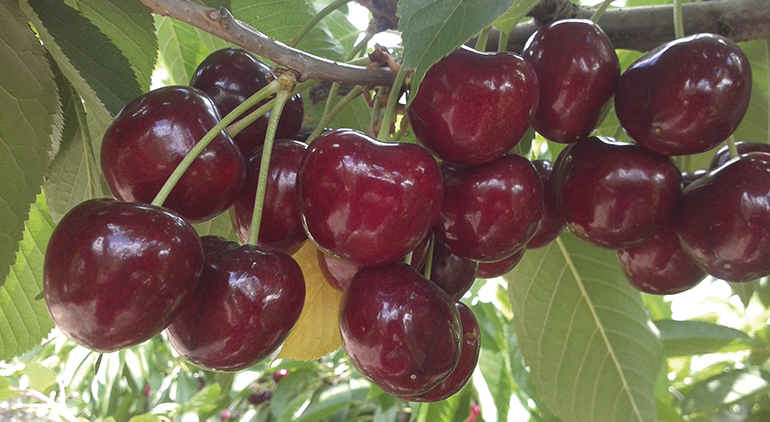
pixel 316 333
pixel 30 118
pixel 182 48
pixel 24 319
pixel 724 389
pixel 92 53
pixel 687 338
pixel 431 29
pixel 585 332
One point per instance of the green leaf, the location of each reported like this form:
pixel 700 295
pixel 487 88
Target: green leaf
pixel 334 399
pixel 91 52
pixel 41 379
pixel 431 29
pixel 30 121
pixel 24 320
pixel 687 338
pixel 182 48
pixel 594 354
pixel 724 389
pixel 754 126
pixel 73 176
pixel 147 418
pixel 357 115
pixel 492 357
pixel 204 400
pixel 218 226
pixel 745 291
pixel 129 24
pixel 283 19
pixel 508 20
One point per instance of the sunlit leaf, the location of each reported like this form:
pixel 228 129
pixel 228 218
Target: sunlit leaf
pixel 182 48
pixel 593 351
pixel 316 334
pixel 687 338
pixel 724 389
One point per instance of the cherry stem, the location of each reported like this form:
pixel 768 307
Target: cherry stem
pixel 600 11
pixel 178 172
pixel 387 117
pixel 678 20
pixel 355 92
pixel 426 272
pixel 481 43
pixel 286 82
pixel 731 146
pixel 502 41
pixel 241 124
pixel 326 11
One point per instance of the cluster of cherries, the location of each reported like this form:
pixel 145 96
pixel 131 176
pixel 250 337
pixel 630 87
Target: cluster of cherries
pixel 402 229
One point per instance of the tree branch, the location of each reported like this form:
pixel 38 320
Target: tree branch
pixel 633 28
pixel 222 23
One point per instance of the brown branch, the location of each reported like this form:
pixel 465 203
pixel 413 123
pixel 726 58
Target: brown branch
pixel 633 28
pixel 222 23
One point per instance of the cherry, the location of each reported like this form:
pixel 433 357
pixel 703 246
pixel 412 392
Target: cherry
pixel 685 96
pixel 659 265
pixel 723 154
pixel 691 176
pixel 366 201
pixel 723 220
pixel 117 273
pixel 281 227
pixel 502 267
pixel 551 224
pixel 474 107
pixel 400 330
pixel 232 75
pixel 614 195
pixel 490 210
pixel 469 357
pixel 280 374
pixel 260 396
pixel 152 134
pixel 246 303
pixel 454 274
pixel 577 70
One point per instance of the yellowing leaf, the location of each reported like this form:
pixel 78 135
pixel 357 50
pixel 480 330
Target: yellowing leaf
pixel 317 331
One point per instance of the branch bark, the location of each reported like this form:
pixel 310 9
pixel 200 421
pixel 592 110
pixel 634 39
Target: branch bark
pixel 633 28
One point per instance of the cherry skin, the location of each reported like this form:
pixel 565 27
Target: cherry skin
pixel 577 70
pixel 401 331
pixel 232 75
pixel 685 96
pixel 280 374
pixel 491 210
pixel 469 357
pixel 117 273
pixel 723 220
pixel 743 147
pixel 152 134
pixel 690 176
pixel 502 267
pixel 366 201
pixel 281 227
pixel 454 274
pixel 551 224
pixel 615 195
pixel 246 303
pixel 659 265
pixel 474 107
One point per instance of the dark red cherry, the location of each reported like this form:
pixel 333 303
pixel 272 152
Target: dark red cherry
pixel 551 223
pixel 246 303
pixel 491 210
pixel 659 265
pixel 502 267
pixel 691 176
pixel 685 96
pixel 400 330
pixel 337 272
pixel 152 134
pixel 743 147
pixel 474 107
pixel 260 396
pixel 615 195
pixel 117 273
pixel 577 70
pixel 454 274
pixel 366 201
pixel 723 220
pixel 232 75
pixel 281 227
pixel 280 374
pixel 469 357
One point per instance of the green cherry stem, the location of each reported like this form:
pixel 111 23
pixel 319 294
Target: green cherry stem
pixel 241 124
pixel 326 11
pixel 678 21
pixel 502 42
pixel 481 43
pixel 395 93
pixel 731 146
pixel 600 11
pixel 287 85
pixel 429 260
pixel 260 95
